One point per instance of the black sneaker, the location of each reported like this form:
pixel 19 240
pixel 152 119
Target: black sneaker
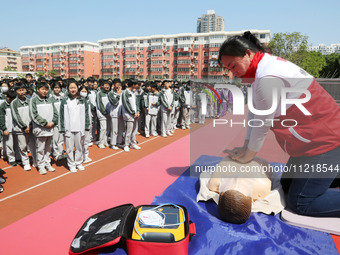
pixel 13 163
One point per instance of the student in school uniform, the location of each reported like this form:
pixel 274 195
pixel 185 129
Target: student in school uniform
pixel 6 126
pixel 23 126
pixel 151 104
pixel 167 103
pixel 131 113
pixel 74 121
pixel 184 98
pixel 93 99
pixel 176 109
pixel 103 114
pixel 3 90
pixel 139 96
pixel 115 108
pixel 57 139
pixel 44 117
pixel 83 92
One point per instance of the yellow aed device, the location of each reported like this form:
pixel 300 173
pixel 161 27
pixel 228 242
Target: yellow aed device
pixel 163 223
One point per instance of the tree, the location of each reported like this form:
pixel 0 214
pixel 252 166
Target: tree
pixel 8 69
pixel 290 46
pixel 52 73
pixel 40 73
pixel 313 62
pixel 332 66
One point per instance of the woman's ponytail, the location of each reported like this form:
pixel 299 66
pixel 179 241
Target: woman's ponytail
pixel 238 45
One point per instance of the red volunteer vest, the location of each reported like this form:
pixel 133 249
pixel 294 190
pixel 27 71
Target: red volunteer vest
pixel 314 134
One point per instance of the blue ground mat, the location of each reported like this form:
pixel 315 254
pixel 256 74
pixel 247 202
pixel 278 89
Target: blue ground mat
pixel 261 234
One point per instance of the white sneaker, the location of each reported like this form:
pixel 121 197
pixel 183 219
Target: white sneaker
pixel 155 134
pixel 183 127
pixel 172 131
pixel 135 146
pixel 169 134
pixel 101 146
pixel 50 168
pixel 126 148
pixel 147 136
pixel 42 170
pixel 114 147
pixel 164 135
pixel 90 144
pixel 27 167
pixel 81 167
pixel 73 169
pixel 106 145
pixel 188 127
pixel 87 160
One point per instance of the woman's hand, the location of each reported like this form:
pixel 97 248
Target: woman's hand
pixel 236 153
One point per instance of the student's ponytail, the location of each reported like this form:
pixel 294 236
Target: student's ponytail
pixel 238 45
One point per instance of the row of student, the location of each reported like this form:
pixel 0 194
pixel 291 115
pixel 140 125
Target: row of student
pixel 68 119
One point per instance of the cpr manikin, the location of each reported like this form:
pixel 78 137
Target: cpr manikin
pixel 238 191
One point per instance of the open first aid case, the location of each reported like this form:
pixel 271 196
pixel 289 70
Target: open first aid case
pixel 146 229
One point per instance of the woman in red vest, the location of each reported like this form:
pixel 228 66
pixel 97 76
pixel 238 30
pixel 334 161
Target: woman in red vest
pixel 306 124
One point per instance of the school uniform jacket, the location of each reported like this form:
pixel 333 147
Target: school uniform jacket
pixel 20 115
pixel 57 101
pixel 2 98
pixel 6 121
pixel 314 134
pixel 130 105
pixel 115 104
pixel 74 116
pixel 165 101
pixel 149 99
pixel 102 105
pixel 184 97
pixel 42 112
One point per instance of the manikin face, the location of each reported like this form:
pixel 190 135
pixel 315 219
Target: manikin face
pixel 238 65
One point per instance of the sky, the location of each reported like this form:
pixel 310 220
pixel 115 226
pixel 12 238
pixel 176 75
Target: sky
pixel 25 23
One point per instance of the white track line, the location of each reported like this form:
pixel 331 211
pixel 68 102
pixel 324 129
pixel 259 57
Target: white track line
pixel 55 178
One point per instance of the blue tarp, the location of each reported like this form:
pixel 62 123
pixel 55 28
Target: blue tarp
pixel 261 234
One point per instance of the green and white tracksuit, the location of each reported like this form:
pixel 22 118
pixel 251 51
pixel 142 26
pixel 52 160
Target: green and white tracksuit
pixel 42 112
pixel 6 124
pixel 184 99
pixel 117 122
pixel 102 113
pixel 129 109
pixel 74 121
pixel 167 100
pixel 21 121
pixel 58 138
pixel 151 112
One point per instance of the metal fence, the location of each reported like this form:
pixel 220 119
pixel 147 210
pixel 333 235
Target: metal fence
pixel 332 86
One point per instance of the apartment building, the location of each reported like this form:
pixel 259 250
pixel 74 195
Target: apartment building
pixel 210 22
pixel 179 56
pixel 326 49
pixel 10 58
pixel 69 60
